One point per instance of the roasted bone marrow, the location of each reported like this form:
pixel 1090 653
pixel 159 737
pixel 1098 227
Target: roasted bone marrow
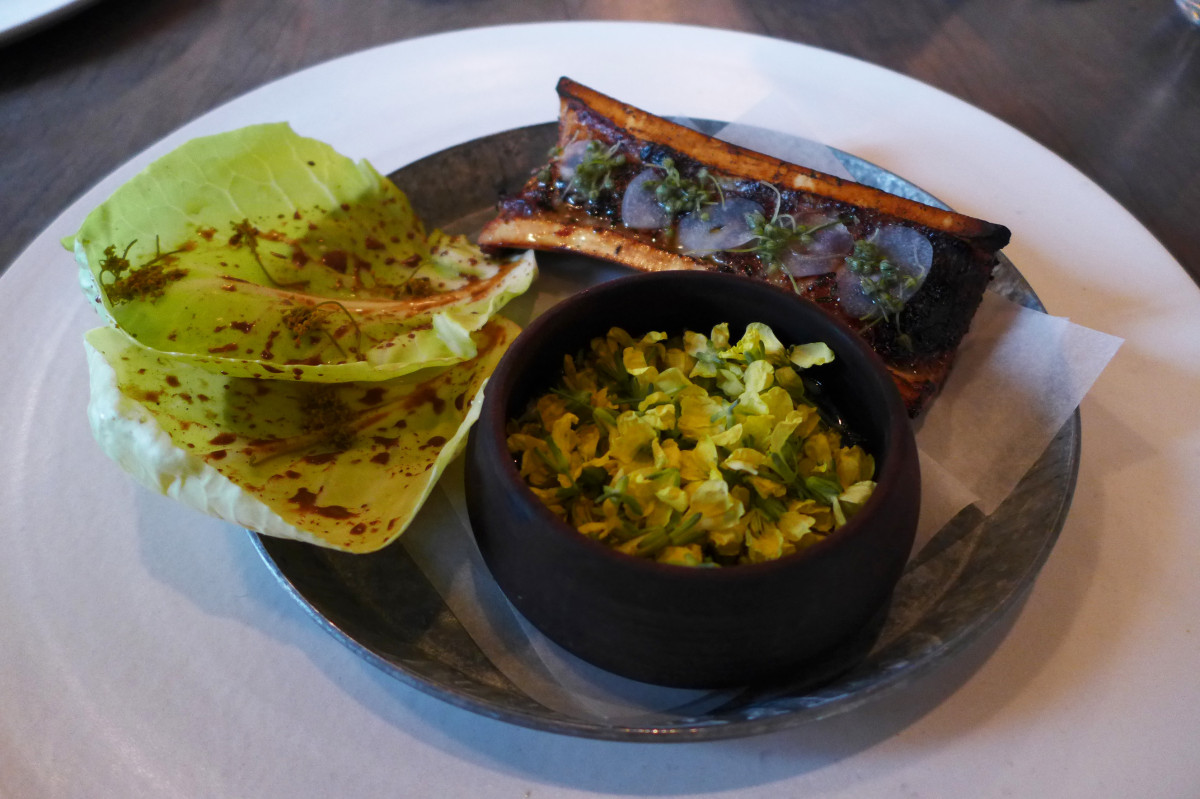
pixel 627 186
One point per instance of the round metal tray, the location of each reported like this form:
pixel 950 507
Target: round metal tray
pixel 954 589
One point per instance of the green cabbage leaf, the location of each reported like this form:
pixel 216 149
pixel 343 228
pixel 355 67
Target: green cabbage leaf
pixel 342 465
pixel 261 253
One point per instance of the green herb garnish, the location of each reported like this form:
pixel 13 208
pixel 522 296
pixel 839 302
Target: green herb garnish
pixel 594 173
pixel 882 282
pixel 312 319
pixel 677 195
pixel 145 282
pixel 775 235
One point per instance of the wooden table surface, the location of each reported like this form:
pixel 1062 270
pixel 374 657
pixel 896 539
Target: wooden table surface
pixel 1112 86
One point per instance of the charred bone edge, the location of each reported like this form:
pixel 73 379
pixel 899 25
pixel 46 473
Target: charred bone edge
pixel 735 160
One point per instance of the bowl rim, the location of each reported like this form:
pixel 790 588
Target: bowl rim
pixel 897 434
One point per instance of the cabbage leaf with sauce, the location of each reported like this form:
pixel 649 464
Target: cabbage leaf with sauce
pixel 262 253
pixel 342 465
pixel 286 347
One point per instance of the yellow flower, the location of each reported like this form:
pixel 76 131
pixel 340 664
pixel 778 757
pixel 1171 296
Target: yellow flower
pixel 614 341
pixel 818 454
pixel 712 500
pixel 764 544
pixel 729 439
pixel 678 360
pixel 787 379
pixel 587 442
pixel 644 485
pixel 795 526
pixel 856 496
pixel 758 337
pixel 666 454
pixel 854 465
pixel 563 434
pixel 778 402
pixel 819 448
pixel 651 339
pixel 699 414
pixel 549 497
pixel 822 515
pixel 744 459
pixel 658 514
pixel 549 408
pixel 576 380
pixel 784 430
pixel 700 462
pixel 690 555
pixel 600 399
pixel 674 497
pixel 767 488
pixel 599 530
pixel 729 380
pixel 728 541
pixel 720 336
pixel 634 360
pixel 660 417
pixel 759 376
pixel 809 355
pixel 672 380
pixel 703 354
pixel 756 431
pixel 653 399
pixel 708 409
pixel 533 465
pixel 629 444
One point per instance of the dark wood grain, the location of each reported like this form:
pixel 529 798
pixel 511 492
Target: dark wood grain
pixel 1112 86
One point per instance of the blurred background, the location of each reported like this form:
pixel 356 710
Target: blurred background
pixel 1112 86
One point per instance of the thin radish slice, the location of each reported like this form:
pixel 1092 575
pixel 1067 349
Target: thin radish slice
pixel 820 252
pixel 854 301
pixel 717 227
pixel 571 157
pixel 910 254
pixel 910 251
pixel 639 207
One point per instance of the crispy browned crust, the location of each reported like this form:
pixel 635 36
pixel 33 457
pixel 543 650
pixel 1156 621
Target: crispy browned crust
pixel 577 99
pixel 934 320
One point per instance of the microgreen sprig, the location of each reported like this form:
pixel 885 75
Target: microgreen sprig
pixel 881 281
pixel 686 532
pixel 773 236
pixel 312 318
pixel 147 281
pixel 246 233
pixel 594 173
pixel 676 194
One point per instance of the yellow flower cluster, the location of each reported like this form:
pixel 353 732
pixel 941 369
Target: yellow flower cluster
pixel 692 450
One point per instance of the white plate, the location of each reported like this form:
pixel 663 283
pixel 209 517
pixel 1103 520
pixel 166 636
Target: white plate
pixel 145 651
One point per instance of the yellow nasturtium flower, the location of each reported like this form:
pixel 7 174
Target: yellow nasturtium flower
pixel 629 444
pixel 712 500
pixel 700 462
pixel 808 355
pixel 745 459
pixel 692 450
pixel 700 415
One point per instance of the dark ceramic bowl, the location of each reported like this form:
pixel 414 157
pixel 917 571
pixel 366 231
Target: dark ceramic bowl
pixel 807 615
